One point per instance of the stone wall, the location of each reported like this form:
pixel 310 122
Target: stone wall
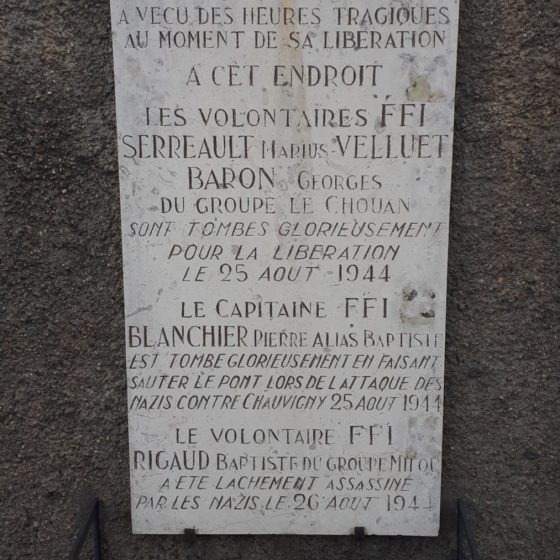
pixel 63 398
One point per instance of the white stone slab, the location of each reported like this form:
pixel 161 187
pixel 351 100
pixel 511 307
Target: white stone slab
pixel 285 203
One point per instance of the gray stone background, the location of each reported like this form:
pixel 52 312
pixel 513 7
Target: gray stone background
pixel 63 408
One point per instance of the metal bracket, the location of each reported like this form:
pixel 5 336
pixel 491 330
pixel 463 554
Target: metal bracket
pixel 190 534
pixel 91 522
pixel 359 533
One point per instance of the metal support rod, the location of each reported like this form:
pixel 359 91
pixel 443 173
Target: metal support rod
pixel 464 530
pixel 92 522
pixel 97 533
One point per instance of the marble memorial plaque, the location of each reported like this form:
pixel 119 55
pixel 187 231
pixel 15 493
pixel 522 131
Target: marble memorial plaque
pixel 285 174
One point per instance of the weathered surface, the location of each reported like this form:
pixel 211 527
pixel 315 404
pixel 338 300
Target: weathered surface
pixel 282 380
pixel 64 391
